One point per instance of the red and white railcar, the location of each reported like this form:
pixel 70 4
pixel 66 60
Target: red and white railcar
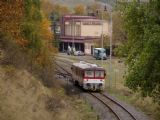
pixel 89 76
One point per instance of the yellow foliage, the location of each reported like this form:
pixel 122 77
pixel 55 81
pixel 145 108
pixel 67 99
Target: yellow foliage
pixel 45 30
pixel 11 12
pixel 47 7
pixel 61 9
pixel 79 10
pixel 64 10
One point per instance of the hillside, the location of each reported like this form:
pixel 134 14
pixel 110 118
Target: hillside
pixel 23 97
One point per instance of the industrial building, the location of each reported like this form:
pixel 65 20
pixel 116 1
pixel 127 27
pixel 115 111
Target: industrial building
pixel 81 32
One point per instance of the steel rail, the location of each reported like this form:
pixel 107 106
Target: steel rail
pixel 60 70
pixel 79 59
pixel 116 115
pixel 66 61
pixel 63 68
pixel 133 117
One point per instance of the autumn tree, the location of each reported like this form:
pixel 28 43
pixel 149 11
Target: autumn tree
pixel 79 10
pixel 59 10
pixel 47 7
pixel 11 19
pixel 24 22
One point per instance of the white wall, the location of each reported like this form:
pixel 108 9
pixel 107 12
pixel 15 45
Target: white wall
pixel 85 29
pixel 94 30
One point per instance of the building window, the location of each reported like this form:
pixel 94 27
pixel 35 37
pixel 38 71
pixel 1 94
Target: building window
pixel 68 29
pixel 77 30
pixel 73 29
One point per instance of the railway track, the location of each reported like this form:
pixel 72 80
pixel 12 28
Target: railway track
pixel 66 62
pixel 62 72
pixel 77 58
pixel 119 112
pixel 118 104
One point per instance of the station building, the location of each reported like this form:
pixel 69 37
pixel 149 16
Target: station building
pixel 81 32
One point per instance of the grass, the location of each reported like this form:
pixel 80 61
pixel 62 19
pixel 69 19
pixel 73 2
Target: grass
pixel 115 87
pixel 24 97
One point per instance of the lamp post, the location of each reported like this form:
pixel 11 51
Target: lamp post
pixel 102 36
pixel 73 35
pixel 102 44
pixel 110 28
pixel 110 56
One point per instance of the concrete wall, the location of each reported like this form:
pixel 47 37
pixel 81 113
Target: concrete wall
pixel 87 49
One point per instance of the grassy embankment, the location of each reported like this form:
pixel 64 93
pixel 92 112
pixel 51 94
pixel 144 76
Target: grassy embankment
pixel 22 96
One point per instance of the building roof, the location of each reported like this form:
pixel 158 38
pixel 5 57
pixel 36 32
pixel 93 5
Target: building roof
pixel 79 17
pixel 79 39
pixel 86 20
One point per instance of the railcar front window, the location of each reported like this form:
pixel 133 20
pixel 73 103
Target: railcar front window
pixel 89 73
pixel 99 74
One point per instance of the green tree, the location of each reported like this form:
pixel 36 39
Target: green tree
pixel 30 26
pixel 142 25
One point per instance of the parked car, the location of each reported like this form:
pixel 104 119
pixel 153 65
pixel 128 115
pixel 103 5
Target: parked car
pixel 99 53
pixel 79 53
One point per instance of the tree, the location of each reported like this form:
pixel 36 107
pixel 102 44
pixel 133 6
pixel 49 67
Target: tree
pixel 11 18
pixel 79 10
pixel 142 25
pixel 31 24
pixel 47 7
pixel 119 34
pixel 59 11
pixel 93 7
pixel 45 32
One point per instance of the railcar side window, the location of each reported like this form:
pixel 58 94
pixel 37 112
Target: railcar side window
pixel 89 73
pixel 99 73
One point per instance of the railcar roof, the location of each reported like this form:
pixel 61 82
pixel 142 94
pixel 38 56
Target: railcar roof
pixel 85 65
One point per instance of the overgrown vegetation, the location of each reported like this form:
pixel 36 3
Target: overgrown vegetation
pixel 26 38
pixel 142 25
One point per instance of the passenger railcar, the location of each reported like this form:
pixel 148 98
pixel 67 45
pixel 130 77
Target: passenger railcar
pixel 89 76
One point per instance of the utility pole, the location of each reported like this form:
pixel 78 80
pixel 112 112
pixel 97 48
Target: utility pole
pixel 110 28
pixel 110 65
pixel 73 34
pixel 102 36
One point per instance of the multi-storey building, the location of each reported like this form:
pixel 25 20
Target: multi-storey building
pixel 81 32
